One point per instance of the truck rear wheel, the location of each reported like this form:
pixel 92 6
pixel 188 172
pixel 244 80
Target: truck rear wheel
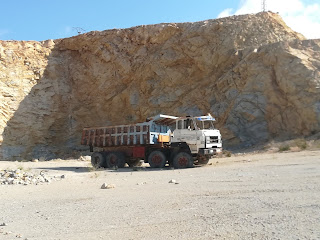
pixel 182 160
pixel 115 159
pixel 98 160
pixel 157 159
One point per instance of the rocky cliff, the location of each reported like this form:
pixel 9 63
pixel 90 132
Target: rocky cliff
pixel 258 77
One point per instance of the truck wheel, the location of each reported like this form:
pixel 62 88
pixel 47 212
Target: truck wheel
pixel 115 159
pixel 157 159
pixel 98 160
pixel 182 160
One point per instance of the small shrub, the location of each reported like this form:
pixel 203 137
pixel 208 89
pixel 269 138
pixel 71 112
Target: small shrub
pixel 316 145
pixel 95 175
pixel 301 143
pixel 227 153
pixel 91 169
pixel 284 148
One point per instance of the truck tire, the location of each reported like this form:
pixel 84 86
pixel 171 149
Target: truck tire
pixel 182 160
pixel 157 159
pixel 115 160
pixel 98 160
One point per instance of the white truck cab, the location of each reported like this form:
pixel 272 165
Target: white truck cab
pixel 199 134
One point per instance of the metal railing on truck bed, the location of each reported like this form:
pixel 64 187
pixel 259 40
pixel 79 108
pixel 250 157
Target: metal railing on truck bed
pixel 123 135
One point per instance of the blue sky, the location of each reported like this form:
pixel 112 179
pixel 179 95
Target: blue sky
pixel 42 19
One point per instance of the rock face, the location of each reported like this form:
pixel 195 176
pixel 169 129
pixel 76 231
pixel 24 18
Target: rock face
pixel 258 77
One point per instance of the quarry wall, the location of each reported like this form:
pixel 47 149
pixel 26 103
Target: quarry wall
pixel 260 79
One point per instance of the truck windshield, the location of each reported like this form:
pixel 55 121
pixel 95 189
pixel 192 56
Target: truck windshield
pixel 159 128
pixel 207 124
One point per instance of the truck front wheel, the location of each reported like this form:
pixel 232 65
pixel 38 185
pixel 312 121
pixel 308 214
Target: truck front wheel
pixel 157 159
pixel 182 160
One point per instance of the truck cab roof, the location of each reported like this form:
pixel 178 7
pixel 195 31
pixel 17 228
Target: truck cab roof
pixel 163 119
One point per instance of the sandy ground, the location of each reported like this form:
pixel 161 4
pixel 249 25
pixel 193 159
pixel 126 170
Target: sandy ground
pixel 257 196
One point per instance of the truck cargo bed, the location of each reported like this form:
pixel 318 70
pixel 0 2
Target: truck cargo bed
pixel 123 135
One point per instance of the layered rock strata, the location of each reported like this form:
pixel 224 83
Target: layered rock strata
pixel 257 76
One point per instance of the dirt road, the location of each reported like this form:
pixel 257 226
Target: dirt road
pixel 260 196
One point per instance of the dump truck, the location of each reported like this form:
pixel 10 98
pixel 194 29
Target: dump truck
pixel 180 142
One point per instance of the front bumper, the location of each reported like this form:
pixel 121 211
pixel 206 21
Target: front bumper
pixel 209 151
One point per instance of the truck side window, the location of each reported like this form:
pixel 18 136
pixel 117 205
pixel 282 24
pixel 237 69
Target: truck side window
pixel 193 126
pixel 186 123
pixel 189 124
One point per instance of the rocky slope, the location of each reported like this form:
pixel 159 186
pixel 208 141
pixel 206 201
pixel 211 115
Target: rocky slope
pixel 258 77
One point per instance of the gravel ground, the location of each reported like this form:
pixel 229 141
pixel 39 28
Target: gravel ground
pixel 252 196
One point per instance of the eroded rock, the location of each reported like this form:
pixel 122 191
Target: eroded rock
pixel 259 79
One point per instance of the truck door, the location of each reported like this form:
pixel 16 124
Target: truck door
pixel 186 132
